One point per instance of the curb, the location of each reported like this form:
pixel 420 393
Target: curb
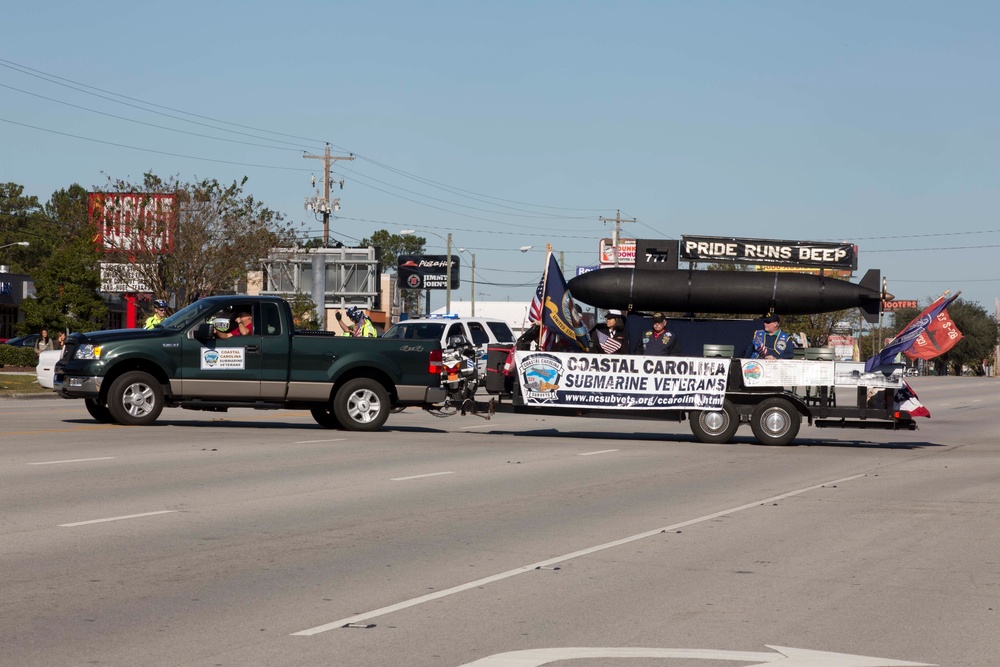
pixel 32 396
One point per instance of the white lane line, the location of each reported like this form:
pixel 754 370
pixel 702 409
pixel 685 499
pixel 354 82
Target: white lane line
pixel 552 561
pixel 114 518
pixel 51 463
pixel 469 428
pixel 603 451
pixel 310 442
pixel 430 474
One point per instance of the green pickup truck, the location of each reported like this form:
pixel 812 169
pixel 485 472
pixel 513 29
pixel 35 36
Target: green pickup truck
pixel 197 359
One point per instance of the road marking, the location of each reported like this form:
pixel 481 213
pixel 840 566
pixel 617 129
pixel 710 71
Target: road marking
pixel 603 451
pixel 382 611
pixel 310 442
pixel 49 463
pixel 114 518
pixel 430 474
pixel 469 428
pixel 786 656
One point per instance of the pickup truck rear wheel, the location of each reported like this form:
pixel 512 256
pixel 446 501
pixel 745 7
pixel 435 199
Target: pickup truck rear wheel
pixel 715 426
pixel 325 418
pixel 361 404
pixel 99 411
pixel 135 399
pixel 775 422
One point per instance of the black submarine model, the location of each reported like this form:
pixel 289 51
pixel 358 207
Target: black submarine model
pixel 738 292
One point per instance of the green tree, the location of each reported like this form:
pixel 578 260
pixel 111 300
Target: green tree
pixel 16 214
pixel 67 278
pixel 303 312
pixel 392 246
pixel 219 234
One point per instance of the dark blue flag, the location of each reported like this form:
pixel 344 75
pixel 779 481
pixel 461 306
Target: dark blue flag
pixel 560 314
pixel 908 336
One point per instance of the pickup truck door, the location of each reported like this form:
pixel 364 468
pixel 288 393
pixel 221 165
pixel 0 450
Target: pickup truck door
pixel 276 350
pixel 223 368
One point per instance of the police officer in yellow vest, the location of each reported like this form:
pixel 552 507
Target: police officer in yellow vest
pixel 159 314
pixel 361 327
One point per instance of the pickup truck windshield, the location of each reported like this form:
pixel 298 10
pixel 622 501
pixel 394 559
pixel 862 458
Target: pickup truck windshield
pixel 187 316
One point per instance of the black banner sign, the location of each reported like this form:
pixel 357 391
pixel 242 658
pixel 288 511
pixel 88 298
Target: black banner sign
pixel 769 251
pixel 426 272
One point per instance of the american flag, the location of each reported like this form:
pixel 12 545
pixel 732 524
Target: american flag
pixel 906 399
pixel 535 315
pixel 607 343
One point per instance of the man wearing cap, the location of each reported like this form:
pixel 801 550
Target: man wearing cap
pixel 770 342
pixel 658 341
pixel 610 337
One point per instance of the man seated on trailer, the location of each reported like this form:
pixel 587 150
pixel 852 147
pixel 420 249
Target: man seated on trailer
pixel 770 342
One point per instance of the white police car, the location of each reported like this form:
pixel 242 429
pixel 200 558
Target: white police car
pixel 481 331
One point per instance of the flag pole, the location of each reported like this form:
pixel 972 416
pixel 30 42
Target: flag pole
pixel 545 286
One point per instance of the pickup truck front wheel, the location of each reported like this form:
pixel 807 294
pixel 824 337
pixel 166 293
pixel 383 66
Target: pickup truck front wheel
pixel 99 411
pixel 325 418
pixel 361 404
pixel 135 399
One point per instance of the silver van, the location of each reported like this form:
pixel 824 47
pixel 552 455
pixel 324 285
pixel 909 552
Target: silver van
pixel 481 331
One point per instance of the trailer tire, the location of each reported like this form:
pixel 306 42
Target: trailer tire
pixel 325 417
pixel 775 422
pixel 135 399
pixel 361 404
pixel 98 411
pixel 715 426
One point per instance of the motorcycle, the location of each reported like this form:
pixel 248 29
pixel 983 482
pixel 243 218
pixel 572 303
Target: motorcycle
pixel 460 374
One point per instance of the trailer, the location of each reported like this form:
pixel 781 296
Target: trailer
pixel 715 395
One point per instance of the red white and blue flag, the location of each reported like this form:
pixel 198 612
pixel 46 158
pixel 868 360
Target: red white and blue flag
pixel 905 339
pixel 906 400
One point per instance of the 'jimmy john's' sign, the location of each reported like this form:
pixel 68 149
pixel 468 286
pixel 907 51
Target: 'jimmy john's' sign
pixel 768 251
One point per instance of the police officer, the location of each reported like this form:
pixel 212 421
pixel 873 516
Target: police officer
pixel 361 327
pixel 159 314
pixel 770 342
pixel 658 341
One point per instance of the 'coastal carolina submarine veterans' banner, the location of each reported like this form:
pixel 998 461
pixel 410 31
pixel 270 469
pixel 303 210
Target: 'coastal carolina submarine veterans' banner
pixel 611 381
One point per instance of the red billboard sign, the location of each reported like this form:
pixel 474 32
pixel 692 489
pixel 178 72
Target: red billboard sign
pixel 134 222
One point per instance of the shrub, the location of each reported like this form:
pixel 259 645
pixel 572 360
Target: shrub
pixel 17 356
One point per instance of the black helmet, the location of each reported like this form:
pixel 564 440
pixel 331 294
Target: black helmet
pixel 160 303
pixel 355 313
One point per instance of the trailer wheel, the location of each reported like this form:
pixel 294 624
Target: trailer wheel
pixel 135 399
pixel 325 418
pixel 775 422
pixel 715 426
pixel 98 411
pixel 361 404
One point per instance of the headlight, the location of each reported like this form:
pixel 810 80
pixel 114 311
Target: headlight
pixel 88 352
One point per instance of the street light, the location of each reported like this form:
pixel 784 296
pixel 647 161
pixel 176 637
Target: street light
pixel 473 255
pixel 22 243
pixel 526 248
pixel 447 305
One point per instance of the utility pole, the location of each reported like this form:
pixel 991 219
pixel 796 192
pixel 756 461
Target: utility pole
pixel 324 205
pixel 618 220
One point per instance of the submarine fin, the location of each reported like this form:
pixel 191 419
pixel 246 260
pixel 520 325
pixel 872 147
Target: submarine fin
pixel 871 307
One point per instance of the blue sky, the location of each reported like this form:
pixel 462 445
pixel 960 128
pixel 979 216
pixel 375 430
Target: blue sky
pixel 521 123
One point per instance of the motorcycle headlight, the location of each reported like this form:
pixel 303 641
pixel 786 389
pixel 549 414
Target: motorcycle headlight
pixel 88 352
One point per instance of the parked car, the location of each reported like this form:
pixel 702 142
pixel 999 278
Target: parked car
pixel 45 371
pixel 23 341
pixel 481 331
pixel 911 372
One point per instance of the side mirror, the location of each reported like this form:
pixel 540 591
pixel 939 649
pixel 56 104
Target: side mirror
pixel 202 332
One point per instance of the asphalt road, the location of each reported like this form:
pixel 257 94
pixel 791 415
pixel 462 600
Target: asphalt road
pixel 251 538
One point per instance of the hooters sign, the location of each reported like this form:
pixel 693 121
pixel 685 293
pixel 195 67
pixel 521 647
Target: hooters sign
pixel 134 222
